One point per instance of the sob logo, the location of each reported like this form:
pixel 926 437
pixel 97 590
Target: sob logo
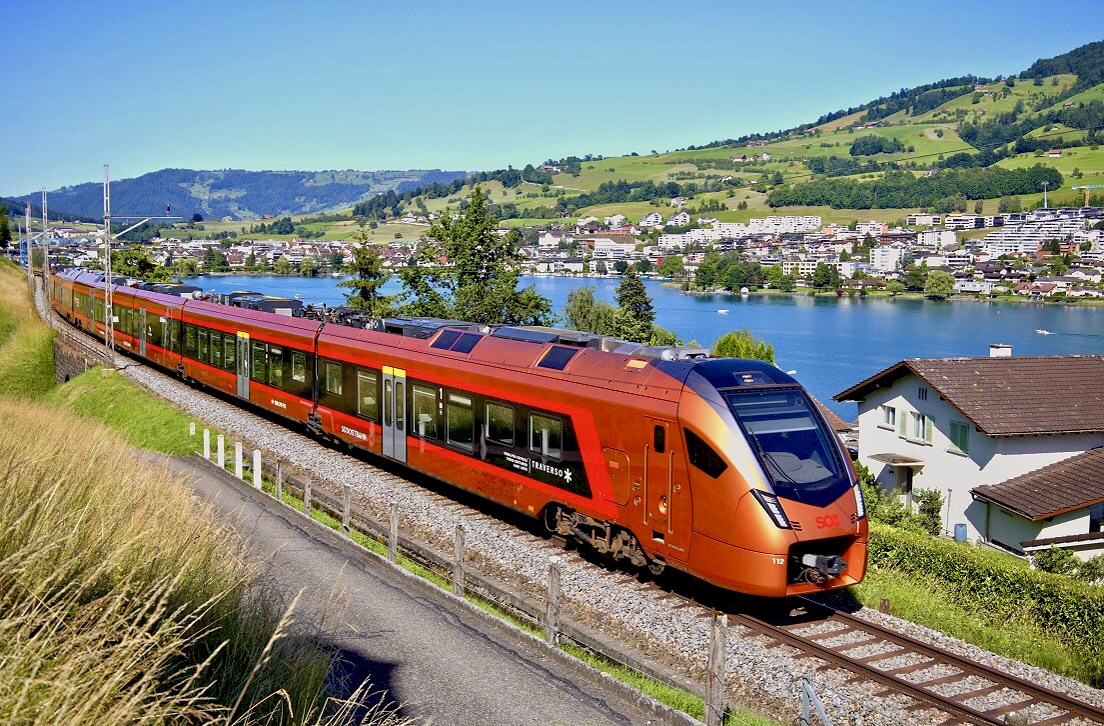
pixel 827 521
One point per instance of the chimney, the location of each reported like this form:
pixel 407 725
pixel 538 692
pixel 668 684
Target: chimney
pixel 1000 350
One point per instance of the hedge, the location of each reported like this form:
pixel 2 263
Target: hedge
pixel 998 587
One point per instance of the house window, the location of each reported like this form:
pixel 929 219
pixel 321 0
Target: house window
pixel 921 428
pixel 333 378
pixel 923 393
pixel 1096 517
pixel 545 435
pixel 889 417
pixel 500 423
pixel 960 437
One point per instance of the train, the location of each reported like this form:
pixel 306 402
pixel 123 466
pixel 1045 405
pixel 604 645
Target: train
pixel 658 457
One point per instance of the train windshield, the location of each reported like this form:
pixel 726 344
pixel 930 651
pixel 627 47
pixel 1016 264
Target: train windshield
pixel 793 443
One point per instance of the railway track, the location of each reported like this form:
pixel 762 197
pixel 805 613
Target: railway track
pixel 968 692
pixel 936 679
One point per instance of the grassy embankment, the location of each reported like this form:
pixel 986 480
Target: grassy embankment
pixel 123 599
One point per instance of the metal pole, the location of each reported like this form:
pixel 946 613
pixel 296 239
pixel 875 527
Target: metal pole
pixel 109 340
pixel 393 533
pixel 45 249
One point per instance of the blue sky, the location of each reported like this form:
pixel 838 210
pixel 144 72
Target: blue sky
pixel 465 85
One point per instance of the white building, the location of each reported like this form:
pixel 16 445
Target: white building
pixel 872 228
pixel 1012 444
pixel 607 249
pixel 937 238
pixel 923 220
pixel 652 219
pixel 886 259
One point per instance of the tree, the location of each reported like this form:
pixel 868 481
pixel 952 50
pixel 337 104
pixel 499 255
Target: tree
pixel 197 217
pixel 213 260
pixel 308 267
pixel 368 277
pixel 601 268
pixel 583 312
pixel 186 267
pixel 5 228
pixel 479 281
pixel 939 285
pixel 672 266
pixel 282 266
pixel 337 261
pixel 742 344
pixel 644 266
pixel 620 267
pixel 895 288
pixel 136 261
pixel 826 275
pixel 635 315
pixel 916 277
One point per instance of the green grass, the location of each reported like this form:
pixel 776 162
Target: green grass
pixel 989 106
pixel 1090 162
pixel 929 603
pixel 144 421
pixel 26 344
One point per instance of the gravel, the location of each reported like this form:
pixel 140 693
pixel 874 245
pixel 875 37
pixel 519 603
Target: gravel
pixel 769 678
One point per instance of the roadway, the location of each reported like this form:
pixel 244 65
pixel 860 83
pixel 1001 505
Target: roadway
pixel 437 660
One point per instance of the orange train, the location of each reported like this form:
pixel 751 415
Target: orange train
pixel 723 468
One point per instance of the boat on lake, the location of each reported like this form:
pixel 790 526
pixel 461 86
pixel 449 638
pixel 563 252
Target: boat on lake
pixel 1043 331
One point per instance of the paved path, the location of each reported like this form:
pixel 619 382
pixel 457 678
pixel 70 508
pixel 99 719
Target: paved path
pixel 442 663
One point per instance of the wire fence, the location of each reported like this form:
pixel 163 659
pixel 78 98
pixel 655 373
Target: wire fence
pixel 541 617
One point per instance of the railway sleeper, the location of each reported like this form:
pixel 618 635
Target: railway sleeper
pixel 601 536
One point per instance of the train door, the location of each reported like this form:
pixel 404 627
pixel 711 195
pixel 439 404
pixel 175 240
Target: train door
pixel 668 502
pixel 142 332
pixel 394 413
pixel 243 365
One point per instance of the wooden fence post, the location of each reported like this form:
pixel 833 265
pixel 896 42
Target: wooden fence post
pixel 279 482
pixel 552 605
pixel 714 686
pixel 258 473
pixel 345 506
pixel 238 460
pixel 307 496
pixel 458 562
pixel 393 533
pixel 207 444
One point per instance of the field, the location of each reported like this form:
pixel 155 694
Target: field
pixel 1090 162
pixel 1001 99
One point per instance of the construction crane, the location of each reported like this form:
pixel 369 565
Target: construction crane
pixel 1087 188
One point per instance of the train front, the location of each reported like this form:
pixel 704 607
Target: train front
pixel 777 506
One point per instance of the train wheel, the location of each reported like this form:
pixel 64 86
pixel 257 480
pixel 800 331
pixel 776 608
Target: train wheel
pixel 656 567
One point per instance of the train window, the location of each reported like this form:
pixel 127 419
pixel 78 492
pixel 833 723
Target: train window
pixel 545 435
pixel 387 403
pixel 203 344
pixel 400 406
pixel 190 341
pixel 229 352
pixel 367 404
pixel 460 421
pixel 659 438
pixel 333 378
pixel 259 362
pixel 216 349
pixel 276 366
pixel 445 339
pixel 703 457
pixel 467 342
pixel 500 423
pixel 425 411
pixel 557 357
pixel 298 366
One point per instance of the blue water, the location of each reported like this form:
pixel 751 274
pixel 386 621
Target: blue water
pixel 831 342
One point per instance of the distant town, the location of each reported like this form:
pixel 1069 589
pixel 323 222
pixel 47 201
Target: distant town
pixel 1046 253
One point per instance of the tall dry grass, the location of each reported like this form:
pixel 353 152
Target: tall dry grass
pixel 122 599
pixel 26 349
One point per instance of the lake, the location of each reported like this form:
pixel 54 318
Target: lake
pixel 832 343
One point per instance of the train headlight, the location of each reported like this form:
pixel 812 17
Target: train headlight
pixel 774 509
pixel 860 503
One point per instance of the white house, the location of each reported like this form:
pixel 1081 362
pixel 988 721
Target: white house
pixel 681 219
pixel 652 219
pixel 1006 440
pixel 886 259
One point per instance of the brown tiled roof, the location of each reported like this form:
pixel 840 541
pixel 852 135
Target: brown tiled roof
pixel 1065 539
pixel 838 424
pixel 1013 396
pixel 1070 484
